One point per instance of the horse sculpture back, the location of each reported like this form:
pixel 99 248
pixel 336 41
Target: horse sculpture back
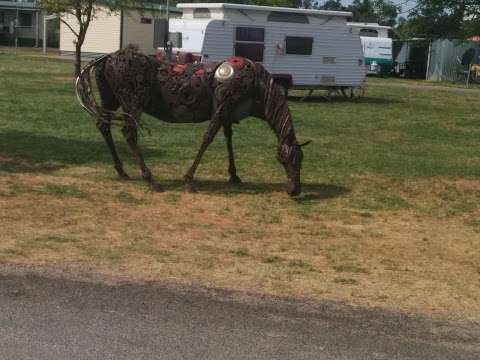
pixel 222 93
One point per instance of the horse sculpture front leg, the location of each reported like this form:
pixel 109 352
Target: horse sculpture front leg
pixel 232 170
pixel 215 125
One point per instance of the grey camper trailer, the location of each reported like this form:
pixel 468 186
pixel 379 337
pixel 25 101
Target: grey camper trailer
pixel 302 48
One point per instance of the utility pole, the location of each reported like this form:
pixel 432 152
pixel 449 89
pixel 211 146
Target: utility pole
pixel 168 16
pixel 168 44
pixel 15 28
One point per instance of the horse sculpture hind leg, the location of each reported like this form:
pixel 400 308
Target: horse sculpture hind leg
pixel 104 128
pixel 130 132
pixel 130 76
pixel 104 122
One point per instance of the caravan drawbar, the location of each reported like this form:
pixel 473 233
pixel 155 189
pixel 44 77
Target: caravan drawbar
pixel 302 48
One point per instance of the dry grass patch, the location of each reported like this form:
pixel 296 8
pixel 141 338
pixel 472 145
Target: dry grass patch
pixel 414 257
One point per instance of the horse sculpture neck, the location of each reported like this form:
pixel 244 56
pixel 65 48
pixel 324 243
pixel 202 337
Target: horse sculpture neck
pixel 275 108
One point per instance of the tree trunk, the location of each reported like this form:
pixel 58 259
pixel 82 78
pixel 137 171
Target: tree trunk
pixel 78 58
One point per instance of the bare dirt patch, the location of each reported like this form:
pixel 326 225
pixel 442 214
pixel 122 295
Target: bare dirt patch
pixel 404 257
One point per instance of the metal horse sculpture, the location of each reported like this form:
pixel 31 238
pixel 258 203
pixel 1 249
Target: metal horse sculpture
pixel 223 93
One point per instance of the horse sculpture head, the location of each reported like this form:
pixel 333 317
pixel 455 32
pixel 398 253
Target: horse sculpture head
pixel 291 157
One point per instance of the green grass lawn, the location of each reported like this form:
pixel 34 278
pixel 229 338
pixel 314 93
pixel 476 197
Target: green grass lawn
pixel 390 214
pixel 398 133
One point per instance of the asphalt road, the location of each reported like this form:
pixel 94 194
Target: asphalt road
pixel 53 318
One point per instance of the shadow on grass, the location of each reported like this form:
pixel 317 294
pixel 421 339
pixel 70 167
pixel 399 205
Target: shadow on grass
pixel 341 99
pixel 310 192
pixel 27 152
pixel 15 165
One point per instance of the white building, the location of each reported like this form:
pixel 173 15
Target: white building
pixel 110 31
pixel 20 21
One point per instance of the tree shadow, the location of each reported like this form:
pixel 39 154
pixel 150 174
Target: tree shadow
pixel 15 165
pixel 27 152
pixel 311 192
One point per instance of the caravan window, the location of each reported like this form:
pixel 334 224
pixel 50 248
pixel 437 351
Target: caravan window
pixel 250 34
pixel 25 19
pixel 368 32
pixel 296 45
pixel 201 13
pixel 249 42
pixel 277 16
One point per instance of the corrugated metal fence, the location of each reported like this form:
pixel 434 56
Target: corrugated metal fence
pixel 451 59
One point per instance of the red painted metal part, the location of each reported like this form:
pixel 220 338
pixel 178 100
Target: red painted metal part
pixel 179 69
pixel 237 62
pixel 183 60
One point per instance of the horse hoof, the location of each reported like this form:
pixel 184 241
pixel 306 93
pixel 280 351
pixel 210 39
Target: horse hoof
pixel 156 187
pixel 189 189
pixel 123 176
pixel 234 179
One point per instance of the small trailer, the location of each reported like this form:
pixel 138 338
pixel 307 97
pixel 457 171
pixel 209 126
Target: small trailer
pixel 301 48
pixel 376 45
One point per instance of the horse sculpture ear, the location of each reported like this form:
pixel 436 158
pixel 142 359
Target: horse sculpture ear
pixel 305 143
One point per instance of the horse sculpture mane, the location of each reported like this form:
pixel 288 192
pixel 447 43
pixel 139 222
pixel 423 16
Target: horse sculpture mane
pixel 222 93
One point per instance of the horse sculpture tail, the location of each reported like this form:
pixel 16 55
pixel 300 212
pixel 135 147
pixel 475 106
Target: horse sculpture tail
pixel 83 88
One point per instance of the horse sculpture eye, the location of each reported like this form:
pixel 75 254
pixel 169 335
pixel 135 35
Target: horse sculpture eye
pixel 224 72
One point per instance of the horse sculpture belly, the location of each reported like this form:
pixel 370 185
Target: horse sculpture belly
pixel 223 93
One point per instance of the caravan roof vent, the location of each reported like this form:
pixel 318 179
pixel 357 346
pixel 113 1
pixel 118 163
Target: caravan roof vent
pixel 201 13
pixel 277 16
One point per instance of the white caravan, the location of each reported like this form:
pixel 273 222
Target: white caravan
pixel 304 49
pixel 376 45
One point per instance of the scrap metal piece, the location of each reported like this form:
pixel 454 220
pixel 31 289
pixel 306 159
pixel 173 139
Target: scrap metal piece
pixel 224 72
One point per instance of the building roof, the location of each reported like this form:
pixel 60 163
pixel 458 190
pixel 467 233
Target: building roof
pixel 160 7
pixel 262 8
pixel 16 4
pixel 368 25
pixel 153 5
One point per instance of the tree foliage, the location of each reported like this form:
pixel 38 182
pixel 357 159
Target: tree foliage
pixel 307 4
pixel 383 12
pixel 443 19
pixel 335 5
pixel 82 13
